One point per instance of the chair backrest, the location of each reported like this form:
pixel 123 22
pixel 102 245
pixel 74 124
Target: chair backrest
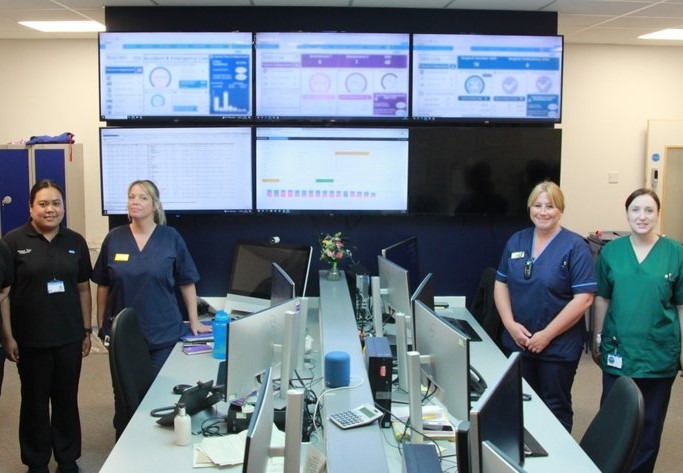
pixel 484 307
pixel 130 365
pixel 612 438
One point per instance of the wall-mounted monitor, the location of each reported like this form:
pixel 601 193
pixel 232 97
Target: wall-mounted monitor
pixel 480 170
pixel 175 76
pixel 332 170
pixel 197 169
pixel 487 78
pixel 332 75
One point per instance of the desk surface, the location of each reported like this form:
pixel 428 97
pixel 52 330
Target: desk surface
pixel 146 446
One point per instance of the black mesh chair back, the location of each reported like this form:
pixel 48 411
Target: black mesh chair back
pixel 131 367
pixel 613 435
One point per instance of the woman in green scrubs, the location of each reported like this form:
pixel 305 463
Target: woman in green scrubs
pixel 638 315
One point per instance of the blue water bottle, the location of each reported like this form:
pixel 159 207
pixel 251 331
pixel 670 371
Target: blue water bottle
pixel 220 334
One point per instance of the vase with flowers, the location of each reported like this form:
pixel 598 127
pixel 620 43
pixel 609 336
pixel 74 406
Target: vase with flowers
pixel 332 251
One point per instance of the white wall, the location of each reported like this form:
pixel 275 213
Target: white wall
pixel 48 87
pixel 610 92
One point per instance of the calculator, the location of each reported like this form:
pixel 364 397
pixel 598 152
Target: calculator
pixel 356 417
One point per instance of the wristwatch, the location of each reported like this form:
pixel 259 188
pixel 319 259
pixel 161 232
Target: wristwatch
pixel 87 330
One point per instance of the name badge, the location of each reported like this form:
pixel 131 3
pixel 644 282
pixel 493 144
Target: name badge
pixel 53 287
pixel 615 361
pixel 121 257
pixel 517 255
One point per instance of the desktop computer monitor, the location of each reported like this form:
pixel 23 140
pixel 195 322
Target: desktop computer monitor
pixel 253 345
pixel 404 253
pixel 447 360
pixel 393 280
pixel 499 416
pixel 251 272
pixel 494 460
pixel 424 292
pixel 282 288
pixel 256 452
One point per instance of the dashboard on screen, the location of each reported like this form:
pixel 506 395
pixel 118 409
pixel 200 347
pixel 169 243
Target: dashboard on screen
pixel 175 76
pixel 197 169
pixel 332 170
pixel 487 77
pixel 332 75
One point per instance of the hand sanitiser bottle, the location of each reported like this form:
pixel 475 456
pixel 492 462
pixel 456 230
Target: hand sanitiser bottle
pixel 182 425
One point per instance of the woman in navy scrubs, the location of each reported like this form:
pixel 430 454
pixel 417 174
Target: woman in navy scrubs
pixel 46 329
pixel 139 266
pixel 544 284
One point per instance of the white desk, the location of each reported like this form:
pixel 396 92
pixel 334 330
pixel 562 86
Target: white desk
pixel 564 453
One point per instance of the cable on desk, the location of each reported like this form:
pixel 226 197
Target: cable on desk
pixel 327 391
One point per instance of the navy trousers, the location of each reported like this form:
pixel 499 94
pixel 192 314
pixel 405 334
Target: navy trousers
pixel 552 381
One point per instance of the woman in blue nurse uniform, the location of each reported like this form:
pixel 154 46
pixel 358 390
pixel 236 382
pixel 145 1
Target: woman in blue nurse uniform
pixel 139 266
pixel 544 284
pixel 638 316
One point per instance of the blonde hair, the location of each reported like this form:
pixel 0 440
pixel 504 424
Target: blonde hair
pixel 552 190
pixel 150 188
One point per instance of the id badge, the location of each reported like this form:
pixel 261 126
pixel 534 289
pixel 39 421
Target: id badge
pixel 615 361
pixel 54 287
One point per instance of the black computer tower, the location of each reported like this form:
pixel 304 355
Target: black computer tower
pixel 378 362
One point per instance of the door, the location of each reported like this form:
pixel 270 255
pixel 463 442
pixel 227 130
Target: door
pixel 671 223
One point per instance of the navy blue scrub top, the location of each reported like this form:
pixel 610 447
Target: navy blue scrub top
pixel 146 280
pixel 564 268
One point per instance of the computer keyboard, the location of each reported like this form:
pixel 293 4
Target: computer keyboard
pixel 531 446
pixel 463 326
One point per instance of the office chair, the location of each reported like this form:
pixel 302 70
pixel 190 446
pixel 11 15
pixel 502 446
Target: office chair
pixel 613 435
pixel 130 365
pixel 484 307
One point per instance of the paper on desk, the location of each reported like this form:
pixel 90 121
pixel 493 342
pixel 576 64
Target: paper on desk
pixel 429 413
pixel 229 449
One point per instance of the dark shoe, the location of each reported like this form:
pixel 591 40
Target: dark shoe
pixel 68 468
pixel 41 469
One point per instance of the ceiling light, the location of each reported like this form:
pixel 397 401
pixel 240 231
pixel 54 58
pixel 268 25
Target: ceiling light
pixel 668 34
pixel 64 26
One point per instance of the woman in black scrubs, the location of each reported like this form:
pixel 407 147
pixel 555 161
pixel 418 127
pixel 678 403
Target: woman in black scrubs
pixel 5 282
pixel 46 329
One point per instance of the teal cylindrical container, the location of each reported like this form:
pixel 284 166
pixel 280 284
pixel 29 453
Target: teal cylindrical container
pixel 220 334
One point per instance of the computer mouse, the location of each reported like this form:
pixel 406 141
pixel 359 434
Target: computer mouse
pixel 180 388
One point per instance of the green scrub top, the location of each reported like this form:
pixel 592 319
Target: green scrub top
pixel 641 332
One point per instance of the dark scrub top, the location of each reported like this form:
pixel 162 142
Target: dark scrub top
pixel 564 268
pixel 146 280
pixel 40 318
pixel 641 324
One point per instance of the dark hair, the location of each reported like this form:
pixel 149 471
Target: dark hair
pixel 642 191
pixel 44 184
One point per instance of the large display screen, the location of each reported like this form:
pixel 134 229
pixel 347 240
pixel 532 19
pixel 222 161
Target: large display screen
pixel 332 170
pixel 207 169
pixel 487 77
pixel 332 75
pixel 480 170
pixel 175 76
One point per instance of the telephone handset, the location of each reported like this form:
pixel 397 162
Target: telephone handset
pixel 477 384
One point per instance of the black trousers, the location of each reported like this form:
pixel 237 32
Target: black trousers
pixel 49 420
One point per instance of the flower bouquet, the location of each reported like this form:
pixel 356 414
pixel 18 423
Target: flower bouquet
pixel 332 251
